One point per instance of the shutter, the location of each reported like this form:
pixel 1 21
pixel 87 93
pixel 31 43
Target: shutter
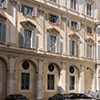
pixel 70 47
pixel 79 25
pixel 59 20
pixel 34 12
pixel 88 51
pixel 48 42
pixel 98 30
pixel 21 38
pixel 24 10
pixel 3 30
pixel 99 52
pixel 58 45
pixel 33 39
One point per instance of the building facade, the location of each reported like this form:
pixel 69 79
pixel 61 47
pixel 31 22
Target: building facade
pixel 48 47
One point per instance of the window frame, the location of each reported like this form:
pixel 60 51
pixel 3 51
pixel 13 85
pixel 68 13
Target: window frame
pixel 54 82
pixel 70 83
pixel 89 9
pixel 73 4
pixel 89 50
pixel 32 38
pixel 28 82
pixel 73 50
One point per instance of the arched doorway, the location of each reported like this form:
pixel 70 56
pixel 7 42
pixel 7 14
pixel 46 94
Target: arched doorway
pixel 3 79
pixel 26 79
pixel 51 76
pixel 72 79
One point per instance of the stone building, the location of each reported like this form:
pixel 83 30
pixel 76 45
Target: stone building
pixel 48 47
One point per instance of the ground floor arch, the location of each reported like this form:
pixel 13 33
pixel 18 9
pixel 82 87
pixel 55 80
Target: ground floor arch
pixel 51 76
pixel 25 79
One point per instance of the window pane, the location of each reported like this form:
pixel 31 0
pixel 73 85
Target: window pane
pixel 53 43
pixel 53 18
pixel 50 82
pixel 27 34
pixel 25 80
pixel 72 83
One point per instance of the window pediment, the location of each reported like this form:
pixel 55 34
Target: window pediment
pixel 53 31
pixel 28 25
pixel 89 40
pixel 75 36
pixel 89 1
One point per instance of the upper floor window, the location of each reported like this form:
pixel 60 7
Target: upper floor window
pixel 89 9
pixel 54 18
pixel 28 36
pixel 89 30
pixel 73 47
pixel 53 41
pixel 71 82
pixel 30 11
pixel 73 4
pixel 75 25
pixel 89 50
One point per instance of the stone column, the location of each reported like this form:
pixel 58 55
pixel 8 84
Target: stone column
pixel 81 80
pixel 62 84
pixel 40 81
pixel 11 76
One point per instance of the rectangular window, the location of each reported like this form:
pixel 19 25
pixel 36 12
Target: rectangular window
pixel 73 47
pixel 89 9
pixel 89 30
pixel 2 32
pixel 73 4
pixel 53 18
pixel 27 34
pixel 53 43
pixel 27 38
pixel 25 81
pixel 72 83
pixel 27 10
pixel 50 82
pixel 74 25
pixel 89 51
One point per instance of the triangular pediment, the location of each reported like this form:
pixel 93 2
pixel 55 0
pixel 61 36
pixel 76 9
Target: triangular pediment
pixel 28 24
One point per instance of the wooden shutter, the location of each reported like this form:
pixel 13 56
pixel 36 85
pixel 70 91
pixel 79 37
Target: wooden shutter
pixel 3 32
pixel 21 38
pixel 58 44
pixel 48 42
pixel 99 52
pixel 33 39
pixel 70 47
pixel 34 12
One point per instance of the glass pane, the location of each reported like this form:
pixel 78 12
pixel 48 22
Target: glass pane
pixel 25 78
pixel 50 82
pixel 72 83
